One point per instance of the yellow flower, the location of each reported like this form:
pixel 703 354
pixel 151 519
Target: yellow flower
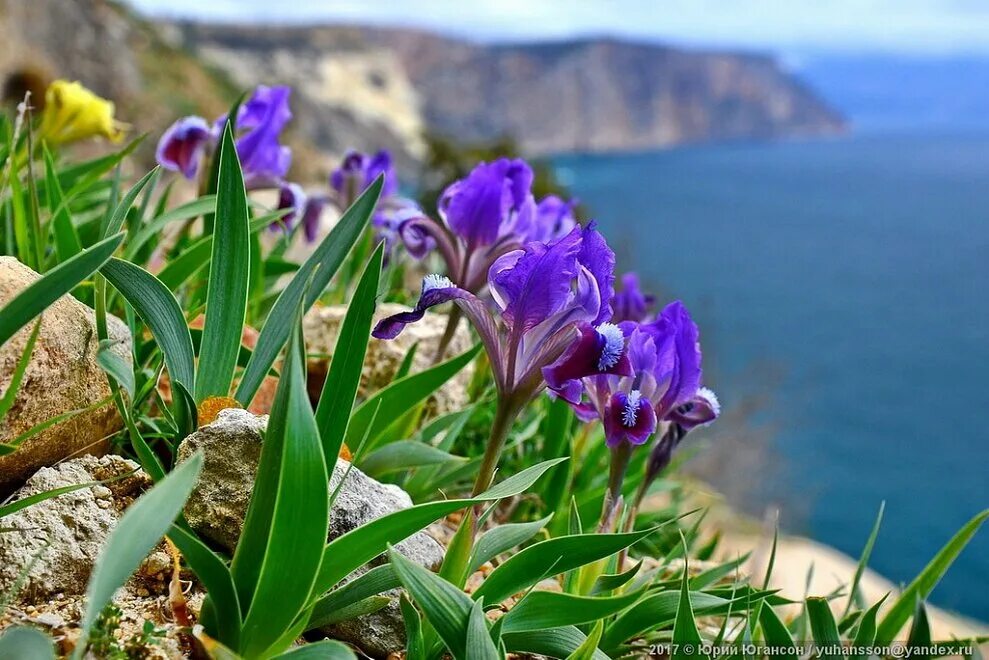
pixel 74 113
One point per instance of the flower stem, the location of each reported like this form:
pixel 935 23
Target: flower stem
pixel 504 418
pixel 620 457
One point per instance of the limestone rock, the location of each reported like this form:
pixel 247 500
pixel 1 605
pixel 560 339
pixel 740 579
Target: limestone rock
pixel 54 543
pixel 231 451
pixel 321 326
pixel 63 375
pixel 218 506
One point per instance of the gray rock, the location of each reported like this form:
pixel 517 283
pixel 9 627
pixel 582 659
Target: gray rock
pixel 62 375
pixel 52 545
pixel 217 508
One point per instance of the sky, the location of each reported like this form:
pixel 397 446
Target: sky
pixel 918 27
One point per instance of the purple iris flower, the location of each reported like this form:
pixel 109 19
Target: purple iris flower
pixel 311 216
pixel 357 171
pixel 487 214
pixel 292 197
pixel 260 122
pixel 631 304
pixel 182 146
pixel 663 373
pixel 544 293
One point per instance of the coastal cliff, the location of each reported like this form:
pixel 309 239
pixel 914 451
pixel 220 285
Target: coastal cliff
pixel 581 95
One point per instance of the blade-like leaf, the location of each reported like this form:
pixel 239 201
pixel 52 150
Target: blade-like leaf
pixel 555 642
pixel 314 274
pixel 446 607
pixel 401 395
pixel 776 635
pixel 157 307
pixel 502 539
pixel 41 293
pixel 415 646
pixel 10 394
pixel 377 580
pixel 139 530
pixel 654 612
pixel 924 583
pixel 551 557
pixel 404 455
pixel 823 628
pixel 327 649
pixel 479 644
pixel 299 511
pixel 229 277
pixel 686 637
pixel 586 650
pixel 116 367
pixel 359 546
pixel 853 589
pixel 116 221
pixel 215 576
pixel 340 387
pixel 866 633
pixel 549 609
pixel 24 643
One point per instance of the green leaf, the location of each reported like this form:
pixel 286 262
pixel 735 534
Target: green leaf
pixel 405 455
pixel 853 590
pixel 31 500
pixel 292 503
pixel 10 395
pixel 446 607
pixel 215 576
pixel 153 229
pixel 229 277
pixel 520 481
pixel 415 645
pixel 920 632
pixel 777 637
pixel 555 642
pixel 401 395
pixel 549 609
pixel 551 557
pixel 116 367
pixel 365 606
pixel 327 649
pixel 454 568
pixel 157 307
pixel 67 243
pixel 865 636
pixel 318 269
pixel 357 547
pixel 611 581
pixel 24 643
pixel 479 644
pixel 51 286
pixel 586 650
pixel 686 637
pixel 377 580
pixel 503 538
pixel 340 387
pixel 655 611
pixel 823 628
pixel 139 530
pixel 924 583
pixel 116 221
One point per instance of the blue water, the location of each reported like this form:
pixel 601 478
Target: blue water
pixel 859 266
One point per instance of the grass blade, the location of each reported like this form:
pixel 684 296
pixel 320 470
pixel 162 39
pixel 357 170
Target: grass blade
pixel 924 583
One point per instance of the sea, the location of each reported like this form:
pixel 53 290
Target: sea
pixel 844 283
